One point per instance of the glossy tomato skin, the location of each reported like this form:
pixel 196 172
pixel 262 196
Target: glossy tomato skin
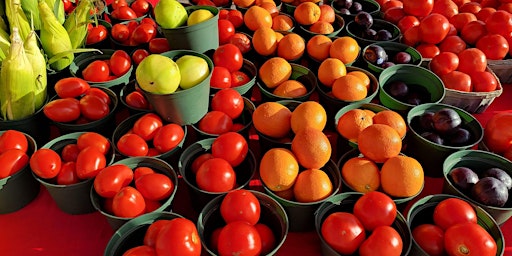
pixel 71 87
pixel 444 63
pixel 469 238
pixel 198 161
pixel 140 7
pixel 216 175
pixel 232 147
pixel 158 45
pixel 111 179
pixel 418 8
pixel 239 78
pixel 384 240
pixel 228 101
pixel 496 134
pixel 343 232
pixel 120 32
pixel 155 186
pixel 494 46
pixel 268 239
pixel 483 81
pixel 136 99
pixel 132 144
pixel 141 250
pixel 226 30
pixel 147 125
pixel 457 80
pixel 228 56
pixel 96 71
pixel 434 28
pixel 138 55
pixel 239 238
pixel 123 13
pixel 96 34
pixel 143 33
pixel 93 139
pixel 215 122
pixel 93 108
pixel 128 203
pixel 67 174
pixel 221 78
pixel 241 41
pixel 430 239
pixel 89 162
pixel 45 163
pixel 178 237
pixel 120 62
pixel 13 160
pixel 141 171
pixel 168 137
pixel 100 94
pixel 241 205
pixel 452 211
pixel 152 232
pixel 69 152
pixel 62 110
pixel 375 209
pixel 13 139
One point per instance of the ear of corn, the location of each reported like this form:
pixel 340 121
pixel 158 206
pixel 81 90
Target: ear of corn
pixel 31 12
pixel 76 23
pixel 57 8
pixel 16 85
pixel 38 62
pixel 17 18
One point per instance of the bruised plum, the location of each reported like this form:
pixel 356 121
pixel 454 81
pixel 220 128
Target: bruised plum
pixel 398 89
pixel 463 178
pixel 370 33
pixel 375 54
pixel 499 174
pixel 384 35
pixel 426 122
pixel 433 137
pixel 490 191
pixel 402 58
pixel 459 137
pixel 363 19
pixel 356 7
pixel 446 119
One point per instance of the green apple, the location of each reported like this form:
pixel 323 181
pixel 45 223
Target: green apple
pixel 170 14
pixel 199 16
pixel 158 74
pixel 193 70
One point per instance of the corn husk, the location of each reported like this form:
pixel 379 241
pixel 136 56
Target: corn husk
pixel 17 18
pixel 31 12
pixel 57 7
pixel 16 86
pixel 38 62
pixel 76 23
pixel 5 44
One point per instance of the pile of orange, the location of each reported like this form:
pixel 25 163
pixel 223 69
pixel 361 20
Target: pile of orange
pixel 317 19
pixel 346 86
pixel 268 42
pixel 321 47
pixel 275 73
pixel 352 122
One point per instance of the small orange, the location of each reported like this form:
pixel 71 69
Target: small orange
pixel 278 169
pixel 361 174
pixel 307 13
pixel 402 176
pixel 327 13
pixel 291 47
pixel 321 27
pixel 363 76
pixel 312 185
pixel 349 88
pixel 393 119
pixel 318 47
pixel 264 41
pixel 274 71
pixel 279 36
pixel 308 114
pixel 329 70
pixel 282 22
pixel 286 194
pixel 311 147
pixel 270 7
pixel 256 17
pixel 290 89
pixel 272 119
pixel 379 142
pixel 244 3
pixel 344 48
pixel 352 122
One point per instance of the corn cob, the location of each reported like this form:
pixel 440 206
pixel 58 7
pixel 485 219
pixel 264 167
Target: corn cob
pixel 58 9
pixel 31 11
pixel 54 39
pixel 17 18
pixel 76 23
pixel 38 62
pixel 16 87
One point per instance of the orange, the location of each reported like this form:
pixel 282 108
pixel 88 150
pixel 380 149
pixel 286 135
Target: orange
pixel 321 27
pixel 379 142
pixel 279 36
pixel 256 17
pixel 308 114
pixel 311 147
pixel 264 41
pixel 274 71
pixel 402 176
pixel 259 2
pixel 352 122
pixel 329 70
pixel 318 47
pixel 244 3
pixel 278 169
pixel 291 46
pixel 282 22
pixel 349 88
pixel 290 89
pixel 272 119
pixel 361 174
pixel 363 76
pixel 307 13
pixel 270 7
pixel 344 48
pixel 393 119
pixel 312 185
pixel 286 194
pixel 327 13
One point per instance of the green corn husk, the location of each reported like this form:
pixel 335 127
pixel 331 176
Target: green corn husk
pixel 76 23
pixel 17 18
pixel 31 10
pixel 5 44
pixel 3 24
pixel 16 86
pixel 58 9
pixel 38 62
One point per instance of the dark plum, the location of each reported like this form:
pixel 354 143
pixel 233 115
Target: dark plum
pixel 363 19
pixel 490 191
pixel 446 119
pixel 343 4
pixel 463 178
pixel 414 98
pixel 344 11
pixel 375 54
pixel 387 64
pixel 356 7
pixel 384 35
pixel 459 137
pixel 425 121
pixel 370 33
pixel 402 58
pixel 433 137
pixel 398 89
pixel 499 174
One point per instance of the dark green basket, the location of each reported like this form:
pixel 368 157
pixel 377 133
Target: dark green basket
pixel 391 49
pixel 299 73
pixel 353 30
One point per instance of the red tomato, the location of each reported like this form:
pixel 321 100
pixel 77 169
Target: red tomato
pixel 215 122
pixel 483 81
pixel 394 14
pixel 434 28
pixel 118 3
pixel 136 99
pixel 140 7
pixel 240 205
pixel 216 175
pixel 445 7
pixel 168 137
pixel 96 71
pixel 96 34
pixel 499 22
pixel 128 203
pixel 159 45
pixel 236 17
pixel 123 13
pixel 430 238
pixel 459 20
pixel 375 209
pixel 132 144
pixel 149 21
pixel 428 50
pixel 457 80
pixel 147 125
pixel 152 232
pixel 62 110
pixel 71 87
pixel 411 36
pixel 469 238
pixel 45 163
pixel 343 232
pixel 484 13
pixel 68 6
pixel 497 136
pixel 69 153
pixel 141 171
pixel 471 7
pixel 214 239
pixel 151 205
pixel 239 78
pixel 138 55
pixel 178 237
pixel 241 41
pixel 67 174
pixel 407 22
pixel 93 108
pixel 472 60
pixel 13 160
pixel 444 63
pixel 239 238
pixel 198 161
pixel 228 101
pixel 96 91
pixel 226 31
pixel 13 139
pixel 140 250
pixel 221 78
pixel 390 4
pixel 385 240
pixel 143 33
pixel 268 239
pixel 228 56
pixel 120 63
pixel 453 44
pixel 155 186
pixel 120 32
pixel 473 31
pixel 232 147
pixel 111 179
pixel 452 211
pixel 89 162
pixel 494 46
pixel 418 8
pixel 93 139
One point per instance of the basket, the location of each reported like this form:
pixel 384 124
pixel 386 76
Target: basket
pixel 501 69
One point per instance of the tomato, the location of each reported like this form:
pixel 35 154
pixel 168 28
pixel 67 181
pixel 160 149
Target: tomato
pixel 453 44
pixel 120 32
pixel 459 20
pixel 241 41
pixel 445 7
pixel 411 36
pixel 214 240
pixel 62 110
pixel 444 63
pixel 132 144
pixel 428 50
pixel 215 122
pixel 141 171
pixel 136 99
pixel 384 240
pixel 390 4
pixel 111 179
pixel 159 45
pixel 45 163
pixel 168 137
pixel 198 161
pixel 71 87
pixel 457 80
pixel 240 205
pixel 418 8
pixel 149 21
pixel 471 7
pixel 96 71
pixel 89 162
pixel 228 56
pixel 221 78
pixel 499 22
pixel 93 139
pixel 138 55
pixel 67 174
pixel 494 46
pixel 237 127
pixel 69 152
pixel 469 238
pixel 152 232
pixel 452 211
pixel 123 13
pixel 473 31
pixel 13 160
pixel 430 239
pixel 140 250
pixel 13 139
pixel 93 108
pixel 394 14
pixel 216 175
pixel 236 17
pixel 434 28
pixel 239 238
pixel 178 237
pixel 96 91
pixel 226 31
pixel 483 81
pixel 407 22
pixel 147 125
pixel 232 147
pixel 239 78
pixel 120 62
pixel 484 13
pixel 143 33
pixel 140 7
pixel 118 3
pixel 497 132
pixel 228 101
pixel 155 186
pixel 375 209
pixel 96 34
pixel 472 60
pixel 268 239
pixel 128 203
pixel 343 232
pixel 68 6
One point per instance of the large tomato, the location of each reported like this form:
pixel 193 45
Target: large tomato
pixel 93 107
pixel 132 144
pixel 483 81
pixel 468 239
pixel 471 60
pixel 12 161
pixel 434 28
pixel 228 56
pixel 147 125
pixel 375 209
pixel 384 240
pixel 457 80
pixel 120 62
pixel 168 137
pixel 240 204
pixel 45 163
pixel 343 232
pixel 62 110
pixel 111 179
pixel 89 162
pixel 13 139
pixel 178 237
pixel 232 147
pixel 494 46
pixel 498 133
pixel 96 71
pixel 418 8
pixel 128 203
pixel 239 238
pixel 268 238
pixel 215 122
pixel 228 101
pixel 93 139
pixel 152 232
pixel 216 175
pixel 221 78
pixel 444 63
pixel 198 161
pixel 452 211
pixel 430 238
pixel 155 186
pixel 226 30
pixel 71 87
